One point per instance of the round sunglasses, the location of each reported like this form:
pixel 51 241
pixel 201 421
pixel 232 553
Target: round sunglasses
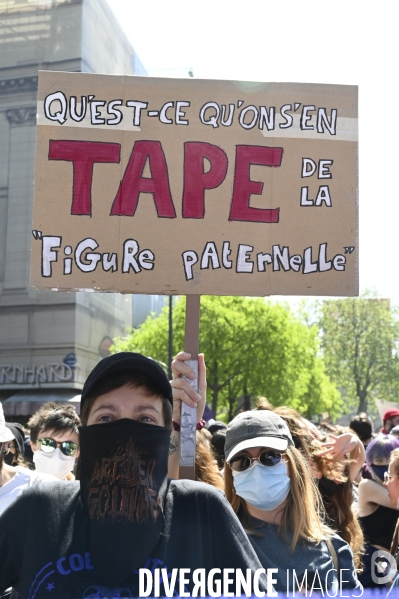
pixel 241 463
pixel 68 448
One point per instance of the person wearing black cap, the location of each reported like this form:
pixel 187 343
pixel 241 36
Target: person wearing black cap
pixel 91 538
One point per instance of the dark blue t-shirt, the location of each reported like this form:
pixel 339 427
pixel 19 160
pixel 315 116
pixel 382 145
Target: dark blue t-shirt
pixel 310 563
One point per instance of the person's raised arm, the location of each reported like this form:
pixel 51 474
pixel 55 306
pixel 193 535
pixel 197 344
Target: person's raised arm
pixel 343 445
pixel 183 392
pixel 371 493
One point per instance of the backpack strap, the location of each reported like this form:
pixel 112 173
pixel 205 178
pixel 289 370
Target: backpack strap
pixel 334 555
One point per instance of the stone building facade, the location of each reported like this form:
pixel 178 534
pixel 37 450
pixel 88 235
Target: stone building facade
pixel 49 341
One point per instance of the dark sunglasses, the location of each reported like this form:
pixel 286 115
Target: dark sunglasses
pixel 266 458
pixel 68 448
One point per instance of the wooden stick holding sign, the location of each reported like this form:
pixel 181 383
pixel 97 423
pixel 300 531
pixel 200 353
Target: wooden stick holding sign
pixel 188 420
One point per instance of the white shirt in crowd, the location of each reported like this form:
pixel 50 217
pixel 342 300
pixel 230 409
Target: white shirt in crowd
pixel 23 479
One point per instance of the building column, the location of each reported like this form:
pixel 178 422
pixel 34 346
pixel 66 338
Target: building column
pixel 20 192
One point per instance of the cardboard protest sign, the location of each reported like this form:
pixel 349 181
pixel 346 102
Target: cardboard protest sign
pixel 147 185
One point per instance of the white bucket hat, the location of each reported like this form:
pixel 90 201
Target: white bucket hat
pixel 5 433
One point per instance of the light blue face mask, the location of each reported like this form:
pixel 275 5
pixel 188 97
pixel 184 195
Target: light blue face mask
pixel 264 487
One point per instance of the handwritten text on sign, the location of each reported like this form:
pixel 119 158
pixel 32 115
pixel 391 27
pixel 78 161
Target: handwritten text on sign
pixel 210 194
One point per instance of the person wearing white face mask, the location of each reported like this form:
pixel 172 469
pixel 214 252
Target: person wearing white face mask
pixel 54 438
pixel 271 490
pixel 13 479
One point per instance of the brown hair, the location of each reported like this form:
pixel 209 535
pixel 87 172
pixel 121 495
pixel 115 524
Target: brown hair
pixel 53 417
pixel 340 512
pixel 362 425
pixel 304 441
pixel 338 507
pixel 206 469
pixel 217 444
pixel 133 380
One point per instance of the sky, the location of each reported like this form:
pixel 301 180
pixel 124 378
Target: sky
pixel 342 42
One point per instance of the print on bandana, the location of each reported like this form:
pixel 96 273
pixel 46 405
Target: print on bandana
pixel 122 487
pixel 123 479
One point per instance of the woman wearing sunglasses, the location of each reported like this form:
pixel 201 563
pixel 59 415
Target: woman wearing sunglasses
pixel 272 492
pixel 54 438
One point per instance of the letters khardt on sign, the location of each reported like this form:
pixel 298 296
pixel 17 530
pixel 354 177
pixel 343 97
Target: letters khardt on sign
pixel 189 186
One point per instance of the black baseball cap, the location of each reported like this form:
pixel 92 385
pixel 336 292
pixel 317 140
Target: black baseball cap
pixel 126 362
pixel 256 428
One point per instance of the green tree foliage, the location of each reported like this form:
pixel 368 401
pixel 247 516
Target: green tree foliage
pixel 251 348
pixel 360 338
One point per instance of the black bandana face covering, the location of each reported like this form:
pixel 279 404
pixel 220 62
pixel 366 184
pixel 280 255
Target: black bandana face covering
pixel 327 487
pixel 123 471
pixel 9 458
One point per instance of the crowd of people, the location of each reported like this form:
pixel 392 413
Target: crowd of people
pixel 281 505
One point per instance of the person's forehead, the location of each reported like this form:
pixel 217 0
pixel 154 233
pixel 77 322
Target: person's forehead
pixel 128 396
